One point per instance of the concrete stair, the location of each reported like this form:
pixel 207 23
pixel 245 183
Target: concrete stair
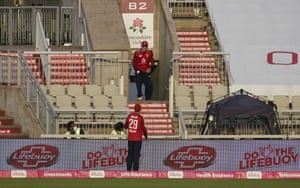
pixel 192 69
pixel 7 128
pixel 69 69
pixel 35 63
pixel 65 69
pixel 157 119
pixel 105 24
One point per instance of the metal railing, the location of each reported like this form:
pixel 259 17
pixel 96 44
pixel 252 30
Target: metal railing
pixel 186 8
pixel 187 69
pixel 206 68
pixel 93 122
pixel 196 68
pixel 101 67
pixel 194 121
pixel 85 40
pixel 14 70
pixel 18 24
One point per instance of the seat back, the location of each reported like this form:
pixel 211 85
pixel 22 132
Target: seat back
pixel 93 90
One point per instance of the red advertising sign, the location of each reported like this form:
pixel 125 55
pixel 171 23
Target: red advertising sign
pixel 137 6
pixel 34 156
pixel 269 156
pixel 191 157
pixel 108 156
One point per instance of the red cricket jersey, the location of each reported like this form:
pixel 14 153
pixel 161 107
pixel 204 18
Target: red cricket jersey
pixel 143 60
pixel 135 125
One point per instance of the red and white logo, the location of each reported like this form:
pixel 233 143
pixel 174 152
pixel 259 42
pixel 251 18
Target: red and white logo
pixel 34 156
pixel 254 175
pixel 191 157
pixel 282 58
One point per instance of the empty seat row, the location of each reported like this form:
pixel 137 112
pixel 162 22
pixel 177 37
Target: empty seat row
pixel 197 96
pixel 192 81
pixel 187 103
pixel 283 102
pixel 91 96
pixel 87 102
pixel 76 90
pixel 215 91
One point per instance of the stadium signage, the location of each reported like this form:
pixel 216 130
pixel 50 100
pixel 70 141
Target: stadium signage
pixel 254 175
pixel 18 174
pixel 96 174
pixel 138 19
pixel 175 174
pixel 107 156
pixel 269 156
pixel 137 6
pixel 34 156
pixel 191 157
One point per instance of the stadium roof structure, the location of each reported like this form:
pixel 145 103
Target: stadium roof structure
pixel 244 107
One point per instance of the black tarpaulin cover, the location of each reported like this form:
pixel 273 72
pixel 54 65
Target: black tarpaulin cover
pixel 243 106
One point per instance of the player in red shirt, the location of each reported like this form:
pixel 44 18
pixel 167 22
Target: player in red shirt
pixel 136 129
pixel 143 63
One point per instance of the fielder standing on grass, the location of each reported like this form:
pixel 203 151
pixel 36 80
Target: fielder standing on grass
pixel 136 129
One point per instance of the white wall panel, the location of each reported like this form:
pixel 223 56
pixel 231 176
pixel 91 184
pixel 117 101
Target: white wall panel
pixel 249 30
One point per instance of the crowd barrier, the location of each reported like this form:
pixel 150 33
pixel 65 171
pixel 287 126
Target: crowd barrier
pixel 206 159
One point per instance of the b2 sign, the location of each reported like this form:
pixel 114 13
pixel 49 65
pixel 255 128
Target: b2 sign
pixel 282 58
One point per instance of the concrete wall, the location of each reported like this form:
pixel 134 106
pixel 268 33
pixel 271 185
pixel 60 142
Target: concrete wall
pixel 107 32
pixel 165 42
pixel 14 104
pixel 105 25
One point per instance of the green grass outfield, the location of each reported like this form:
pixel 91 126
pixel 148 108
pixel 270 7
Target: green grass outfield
pixel 147 183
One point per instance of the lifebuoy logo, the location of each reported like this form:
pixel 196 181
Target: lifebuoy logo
pixel 282 58
pixel 33 156
pixel 191 157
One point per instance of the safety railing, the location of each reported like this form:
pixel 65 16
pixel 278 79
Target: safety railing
pixel 9 65
pixel 93 122
pixel 193 126
pixel 193 123
pixel 78 67
pixel 186 8
pixel 209 69
pixel 14 70
pixel 206 68
pixel 18 24
pixel 85 40
pixel 196 68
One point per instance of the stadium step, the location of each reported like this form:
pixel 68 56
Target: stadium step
pixel 194 40
pixel 35 63
pixel 156 116
pixel 69 69
pixel 195 69
pixel 65 69
pixel 8 129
